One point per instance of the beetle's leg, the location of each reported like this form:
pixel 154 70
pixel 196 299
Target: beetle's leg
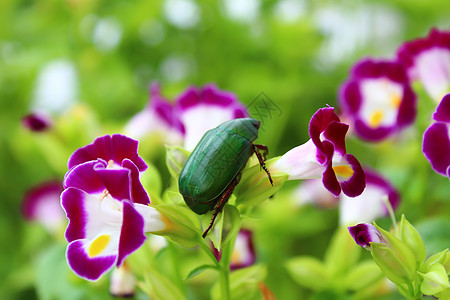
pixel 262 158
pixel 223 200
pixel 262 149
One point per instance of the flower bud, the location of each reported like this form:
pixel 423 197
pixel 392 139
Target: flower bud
pixel 364 234
pixel 410 236
pixel 435 281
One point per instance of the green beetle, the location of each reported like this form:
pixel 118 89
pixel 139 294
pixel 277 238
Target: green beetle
pixel 213 169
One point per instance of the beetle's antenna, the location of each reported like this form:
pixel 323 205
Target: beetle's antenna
pixel 223 200
pixel 261 158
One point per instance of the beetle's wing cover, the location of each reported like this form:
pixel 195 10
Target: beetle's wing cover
pixel 218 158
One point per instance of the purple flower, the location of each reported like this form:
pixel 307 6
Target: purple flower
pixel 378 99
pixel 243 252
pixel 324 156
pixel 158 117
pixel 41 204
pixel 369 205
pixel 37 122
pixel 436 139
pixel 106 205
pixel 206 108
pixel 428 60
pixel 123 282
pixel 364 234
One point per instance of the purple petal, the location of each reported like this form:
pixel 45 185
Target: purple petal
pixel 442 113
pixel 364 234
pixel 138 193
pixel 330 181
pixel 84 177
pixel 116 148
pixel 335 133
pixel 116 181
pixel 436 147
pixel 90 268
pixel 355 185
pixel 132 233
pixel 319 122
pixel 41 195
pixel 37 122
pixel 372 134
pixel 72 201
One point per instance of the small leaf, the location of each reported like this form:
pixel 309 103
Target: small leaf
pixel 158 286
pixel 194 272
pixel 308 272
pixel 390 264
pixel 412 239
pixel 176 157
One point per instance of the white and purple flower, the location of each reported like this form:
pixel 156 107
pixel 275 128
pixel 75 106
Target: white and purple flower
pixel 324 156
pixel 41 204
pixel 193 113
pixel 436 139
pixel 244 251
pixel 206 108
pixel 365 233
pixel 158 117
pixel 428 60
pixel 106 205
pixel 378 99
pixel 370 204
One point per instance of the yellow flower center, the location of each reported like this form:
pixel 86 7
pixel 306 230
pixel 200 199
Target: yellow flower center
pixel 98 245
pixel 375 118
pixel 343 171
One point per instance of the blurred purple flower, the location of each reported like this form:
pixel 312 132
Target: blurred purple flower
pixel 123 282
pixel 37 122
pixel 194 112
pixel 364 234
pixel 324 156
pixel 243 252
pixel 41 204
pixel 206 108
pixel 436 139
pixel 106 205
pixel 158 117
pixel 369 205
pixel 378 99
pixel 428 60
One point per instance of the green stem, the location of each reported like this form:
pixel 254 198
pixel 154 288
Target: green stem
pixel 225 269
pixel 391 211
pixel 208 252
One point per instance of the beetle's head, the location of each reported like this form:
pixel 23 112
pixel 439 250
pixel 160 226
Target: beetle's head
pixel 256 123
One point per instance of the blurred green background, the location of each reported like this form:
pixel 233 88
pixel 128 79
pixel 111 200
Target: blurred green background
pixel 103 55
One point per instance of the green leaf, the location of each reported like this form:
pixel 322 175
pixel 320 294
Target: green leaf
pixel 363 275
pixel 176 157
pixel 158 286
pixel 390 264
pixel 410 236
pixel 199 269
pixel 436 258
pixel 308 272
pixel 435 280
pixel 342 253
pixel 243 283
pixel 226 226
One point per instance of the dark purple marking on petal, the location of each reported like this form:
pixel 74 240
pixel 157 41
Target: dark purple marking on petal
pixel 370 68
pixel 373 178
pixel 100 148
pixel 125 147
pixel 42 192
pixel 72 201
pixel 356 184
pixel 84 177
pixel 137 191
pixel 350 97
pixel 116 181
pixel 190 97
pixel 436 147
pixel 132 234
pixel 372 134
pixel 319 122
pixel 210 94
pixel 37 122
pixel 330 181
pixel 335 133
pixel 116 148
pixel 364 234
pixel 87 267
pixel 442 113
pixel 407 110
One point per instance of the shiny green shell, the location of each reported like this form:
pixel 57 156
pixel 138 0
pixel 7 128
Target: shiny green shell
pixel 216 160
